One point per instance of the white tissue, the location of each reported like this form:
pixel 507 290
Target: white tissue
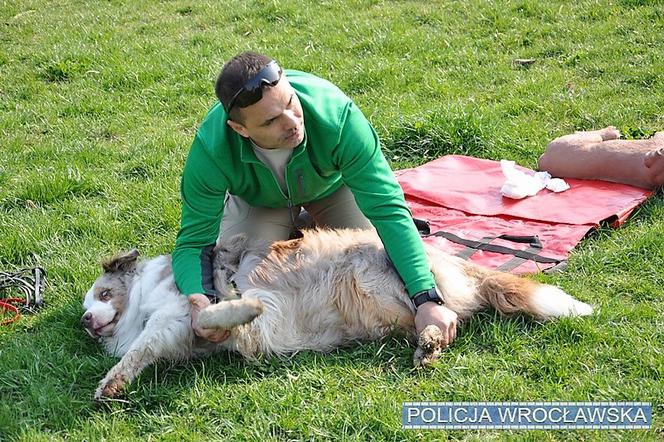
pixel 557 185
pixel 519 185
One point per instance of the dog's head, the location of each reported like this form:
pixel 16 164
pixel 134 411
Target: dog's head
pixel 107 298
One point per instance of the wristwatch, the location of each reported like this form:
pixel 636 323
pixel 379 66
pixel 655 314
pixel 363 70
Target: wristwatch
pixel 430 295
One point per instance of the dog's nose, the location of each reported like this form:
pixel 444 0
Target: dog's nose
pixel 86 320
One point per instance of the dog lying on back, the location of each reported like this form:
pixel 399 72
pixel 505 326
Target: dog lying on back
pixel 329 289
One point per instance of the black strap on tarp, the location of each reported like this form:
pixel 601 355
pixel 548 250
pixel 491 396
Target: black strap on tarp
pixel 472 246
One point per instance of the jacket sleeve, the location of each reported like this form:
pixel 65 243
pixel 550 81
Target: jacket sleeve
pixel 203 190
pixel 366 172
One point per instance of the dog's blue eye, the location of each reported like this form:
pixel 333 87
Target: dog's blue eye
pixel 105 295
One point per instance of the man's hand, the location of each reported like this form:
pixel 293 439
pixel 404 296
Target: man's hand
pixel 654 162
pixel 445 319
pixel 199 302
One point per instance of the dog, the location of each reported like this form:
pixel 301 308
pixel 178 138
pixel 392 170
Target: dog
pixel 328 289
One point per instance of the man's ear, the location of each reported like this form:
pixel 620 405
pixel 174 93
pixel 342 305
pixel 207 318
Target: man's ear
pixel 237 127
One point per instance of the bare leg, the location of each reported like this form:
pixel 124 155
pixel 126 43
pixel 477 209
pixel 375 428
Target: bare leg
pixel 654 161
pixel 599 155
pixel 587 137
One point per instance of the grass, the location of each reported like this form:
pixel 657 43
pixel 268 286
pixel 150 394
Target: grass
pixel 99 102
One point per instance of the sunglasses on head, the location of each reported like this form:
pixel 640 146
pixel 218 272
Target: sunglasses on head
pixel 252 91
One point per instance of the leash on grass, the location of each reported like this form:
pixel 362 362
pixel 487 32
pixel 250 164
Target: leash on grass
pixel 30 282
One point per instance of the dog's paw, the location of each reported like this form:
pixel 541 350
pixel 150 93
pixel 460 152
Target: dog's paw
pixel 429 347
pixel 111 387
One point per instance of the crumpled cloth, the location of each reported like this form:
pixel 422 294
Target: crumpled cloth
pixel 519 184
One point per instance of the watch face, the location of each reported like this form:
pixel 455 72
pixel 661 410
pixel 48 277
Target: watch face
pixel 432 295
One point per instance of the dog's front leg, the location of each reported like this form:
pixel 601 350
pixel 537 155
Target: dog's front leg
pixel 166 336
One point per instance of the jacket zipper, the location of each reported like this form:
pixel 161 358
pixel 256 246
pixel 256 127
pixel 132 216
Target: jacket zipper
pixel 287 198
pixel 290 202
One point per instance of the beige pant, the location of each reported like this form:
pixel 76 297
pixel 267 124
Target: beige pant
pixel 337 210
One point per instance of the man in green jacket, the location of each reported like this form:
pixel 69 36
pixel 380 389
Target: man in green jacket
pixel 278 141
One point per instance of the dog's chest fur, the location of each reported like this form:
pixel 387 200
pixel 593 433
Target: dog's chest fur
pixel 152 295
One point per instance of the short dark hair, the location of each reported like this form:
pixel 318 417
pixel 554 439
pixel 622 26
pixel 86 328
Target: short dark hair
pixel 235 73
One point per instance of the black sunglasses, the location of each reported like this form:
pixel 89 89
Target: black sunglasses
pixel 252 91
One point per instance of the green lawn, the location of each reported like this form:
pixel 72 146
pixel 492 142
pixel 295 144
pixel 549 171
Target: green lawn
pixel 99 102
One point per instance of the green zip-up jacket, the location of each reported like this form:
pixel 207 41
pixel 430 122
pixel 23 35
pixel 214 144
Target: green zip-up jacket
pixel 340 147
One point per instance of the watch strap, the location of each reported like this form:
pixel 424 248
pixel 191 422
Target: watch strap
pixel 430 295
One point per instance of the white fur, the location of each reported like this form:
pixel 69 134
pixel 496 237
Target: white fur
pixel 153 299
pixel 103 312
pixel 552 302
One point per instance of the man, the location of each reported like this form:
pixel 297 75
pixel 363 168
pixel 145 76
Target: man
pixel 601 155
pixel 276 142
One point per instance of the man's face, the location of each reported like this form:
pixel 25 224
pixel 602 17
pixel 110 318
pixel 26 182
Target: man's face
pixel 275 121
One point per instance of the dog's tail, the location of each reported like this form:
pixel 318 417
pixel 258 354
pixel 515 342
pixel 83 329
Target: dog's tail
pixel 468 288
pixel 509 294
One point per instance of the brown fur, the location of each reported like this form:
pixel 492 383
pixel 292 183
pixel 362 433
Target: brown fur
pixel 330 289
pixel 121 263
pixel 285 249
pixel 344 279
pixel 506 293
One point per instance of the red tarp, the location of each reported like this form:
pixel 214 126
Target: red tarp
pixel 461 195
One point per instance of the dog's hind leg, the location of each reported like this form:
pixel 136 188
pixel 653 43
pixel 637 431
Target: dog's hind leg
pixel 373 297
pixel 458 282
pixel 230 313
pixel 429 346
pixel 166 336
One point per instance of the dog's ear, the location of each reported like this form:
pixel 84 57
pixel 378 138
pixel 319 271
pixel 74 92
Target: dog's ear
pixel 121 263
